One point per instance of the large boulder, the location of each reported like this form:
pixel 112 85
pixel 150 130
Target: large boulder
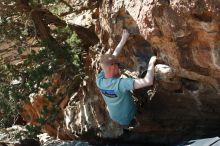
pixel 185 37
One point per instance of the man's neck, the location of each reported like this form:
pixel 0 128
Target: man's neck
pixel 108 75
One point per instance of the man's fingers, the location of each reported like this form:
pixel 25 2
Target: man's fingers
pixel 153 59
pixel 125 34
pixel 125 31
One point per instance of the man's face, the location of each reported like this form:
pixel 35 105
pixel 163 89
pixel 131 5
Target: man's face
pixel 111 69
pixel 116 70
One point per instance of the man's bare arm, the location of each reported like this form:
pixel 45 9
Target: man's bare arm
pixel 121 44
pixel 149 78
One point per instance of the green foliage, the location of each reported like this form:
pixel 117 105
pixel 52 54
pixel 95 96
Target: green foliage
pixel 50 98
pixel 22 81
pixel 50 1
pixel 45 110
pixel 59 9
pixel 19 82
pixel 71 43
pixel 31 73
pixel 49 115
pixel 54 112
pixel 74 42
pixel 8 106
pixel 41 120
pixel 33 130
pixel 45 2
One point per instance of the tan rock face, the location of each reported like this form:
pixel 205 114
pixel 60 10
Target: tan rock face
pixel 185 33
pixel 185 36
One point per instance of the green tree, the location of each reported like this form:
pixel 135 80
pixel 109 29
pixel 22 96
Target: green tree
pixel 57 48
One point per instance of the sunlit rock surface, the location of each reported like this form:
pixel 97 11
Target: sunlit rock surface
pixel 185 37
pixel 47 140
pixel 11 137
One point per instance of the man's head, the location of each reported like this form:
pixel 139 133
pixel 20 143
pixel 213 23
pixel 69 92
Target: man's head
pixel 109 63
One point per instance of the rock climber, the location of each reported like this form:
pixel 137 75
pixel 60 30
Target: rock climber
pixel 116 90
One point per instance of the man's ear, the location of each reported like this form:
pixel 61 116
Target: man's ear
pixel 103 66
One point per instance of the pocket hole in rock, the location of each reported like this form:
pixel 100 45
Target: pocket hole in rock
pixel 191 85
